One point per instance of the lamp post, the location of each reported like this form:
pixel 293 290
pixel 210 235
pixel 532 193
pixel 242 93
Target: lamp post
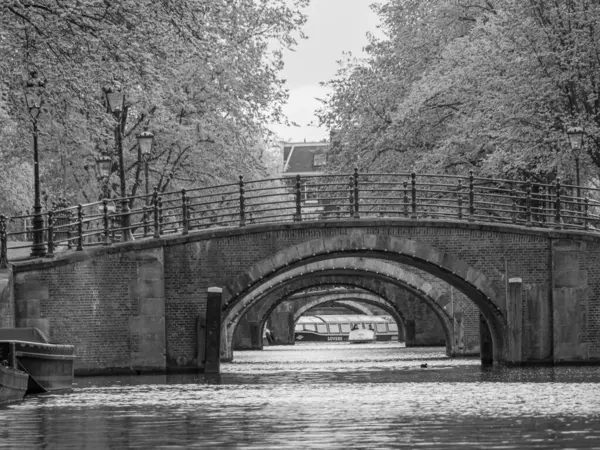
pixel 34 88
pixel 145 141
pixel 115 100
pixel 576 135
pixel 104 165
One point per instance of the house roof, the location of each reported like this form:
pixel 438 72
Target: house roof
pixel 299 157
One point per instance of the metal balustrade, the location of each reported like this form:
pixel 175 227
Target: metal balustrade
pixel 321 197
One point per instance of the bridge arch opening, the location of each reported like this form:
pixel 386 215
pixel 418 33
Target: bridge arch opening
pixel 307 258
pixel 353 302
pixel 372 275
pixel 366 297
pixel 265 305
pixel 346 299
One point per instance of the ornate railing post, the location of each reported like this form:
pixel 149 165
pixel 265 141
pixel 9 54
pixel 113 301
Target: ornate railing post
pixel 405 198
pixel 557 206
pixel 126 234
pixel 147 213
pixel 3 243
pixel 471 196
pixel 242 203
pixel 459 199
pixel 69 231
pixel 79 227
pixel 350 196
pixel 188 208
pixel 156 214
pixel 413 195
pixel 106 223
pixel 298 214
pixel 513 196
pixel 184 213
pixel 528 222
pixel 356 215
pixel 161 219
pixel 586 206
pixel 50 252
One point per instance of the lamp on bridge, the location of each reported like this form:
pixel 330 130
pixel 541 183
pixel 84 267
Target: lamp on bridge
pixel 104 166
pixel 34 89
pixel 576 135
pixel 145 141
pixel 115 104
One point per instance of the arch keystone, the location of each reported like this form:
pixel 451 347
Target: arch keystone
pixel 337 243
pixel 317 246
pixel 401 246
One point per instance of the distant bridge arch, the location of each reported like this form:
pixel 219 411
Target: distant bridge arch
pixel 352 302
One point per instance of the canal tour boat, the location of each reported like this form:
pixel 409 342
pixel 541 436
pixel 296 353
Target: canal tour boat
pixel 338 328
pixel 49 366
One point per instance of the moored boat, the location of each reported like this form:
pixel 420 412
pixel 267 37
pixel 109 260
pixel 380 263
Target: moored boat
pixel 362 336
pixel 336 328
pixel 13 383
pixel 50 366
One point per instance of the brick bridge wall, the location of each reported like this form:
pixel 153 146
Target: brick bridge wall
pixel 134 306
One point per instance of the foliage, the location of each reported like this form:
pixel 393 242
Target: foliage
pixel 203 75
pixel 489 85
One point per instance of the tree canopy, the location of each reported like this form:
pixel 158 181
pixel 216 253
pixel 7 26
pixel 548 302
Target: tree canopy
pixel 487 85
pixel 204 76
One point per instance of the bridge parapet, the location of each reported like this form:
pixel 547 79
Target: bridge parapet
pixel 324 197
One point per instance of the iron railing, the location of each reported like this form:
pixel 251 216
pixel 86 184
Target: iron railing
pixel 320 197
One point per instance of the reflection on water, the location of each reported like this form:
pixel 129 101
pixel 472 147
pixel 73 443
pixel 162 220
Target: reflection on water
pixel 320 396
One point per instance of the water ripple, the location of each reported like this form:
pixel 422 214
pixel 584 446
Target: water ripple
pixel 333 397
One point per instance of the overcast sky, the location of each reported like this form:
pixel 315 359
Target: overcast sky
pixel 333 27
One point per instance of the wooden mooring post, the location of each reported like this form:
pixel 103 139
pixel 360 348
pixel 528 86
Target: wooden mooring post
pixel 213 330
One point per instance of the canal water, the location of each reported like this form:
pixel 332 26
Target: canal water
pixel 320 396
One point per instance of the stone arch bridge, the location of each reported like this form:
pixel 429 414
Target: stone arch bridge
pixel 134 305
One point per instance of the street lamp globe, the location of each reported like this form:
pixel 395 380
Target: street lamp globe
pixel 34 87
pixel 104 164
pixel 576 135
pixel 114 99
pixel 145 140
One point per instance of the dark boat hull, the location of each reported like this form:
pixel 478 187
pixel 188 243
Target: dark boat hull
pixel 50 366
pixel 303 336
pixel 13 384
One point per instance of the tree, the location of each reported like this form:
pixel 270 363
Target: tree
pixel 491 85
pixel 203 75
